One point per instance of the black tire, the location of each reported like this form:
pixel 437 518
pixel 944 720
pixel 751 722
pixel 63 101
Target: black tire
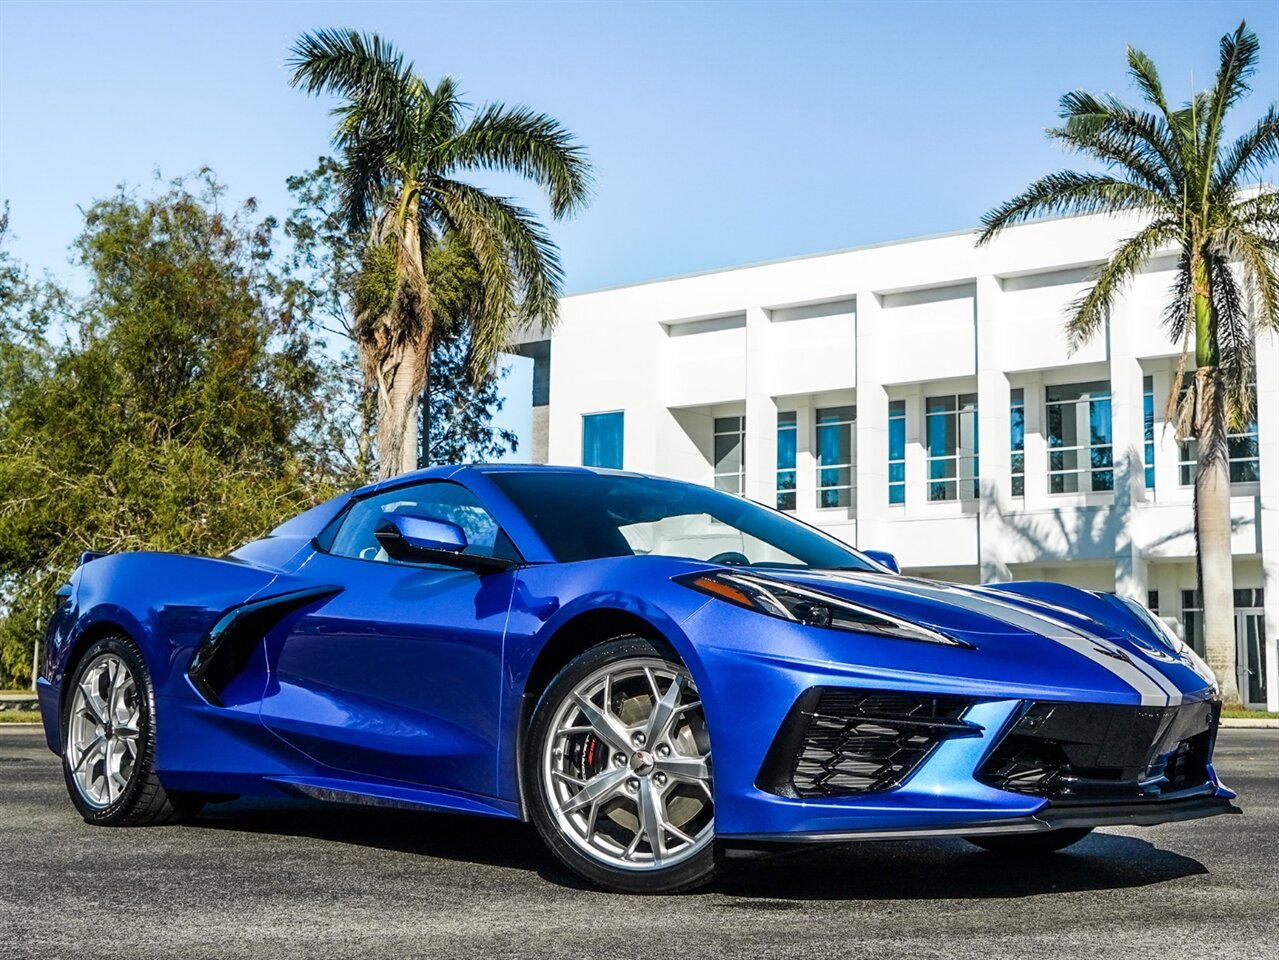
pixel 143 801
pixel 695 871
pixel 1030 844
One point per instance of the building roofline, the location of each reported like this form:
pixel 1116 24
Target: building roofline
pixel 1260 187
pixel 817 256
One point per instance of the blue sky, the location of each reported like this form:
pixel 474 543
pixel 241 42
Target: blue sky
pixel 722 133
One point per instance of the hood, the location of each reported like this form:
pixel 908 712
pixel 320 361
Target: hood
pixel 1014 618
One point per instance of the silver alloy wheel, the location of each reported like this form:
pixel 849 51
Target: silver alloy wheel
pixel 104 730
pixel 627 766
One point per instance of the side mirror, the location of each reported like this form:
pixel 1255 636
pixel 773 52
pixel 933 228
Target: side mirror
pixel 884 559
pixel 407 537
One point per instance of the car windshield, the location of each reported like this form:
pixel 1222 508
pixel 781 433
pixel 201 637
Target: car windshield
pixel 588 516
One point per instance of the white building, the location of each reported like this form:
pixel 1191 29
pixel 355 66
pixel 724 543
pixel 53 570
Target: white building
pixel 921 397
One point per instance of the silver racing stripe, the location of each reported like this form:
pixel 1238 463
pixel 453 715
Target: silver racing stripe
pixel 1149 683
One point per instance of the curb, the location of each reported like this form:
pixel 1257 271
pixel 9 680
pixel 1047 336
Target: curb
pixel 1248 723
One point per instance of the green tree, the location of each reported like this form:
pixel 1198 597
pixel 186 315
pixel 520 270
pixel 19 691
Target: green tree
pixel 320 278
pixel 1175 169
pixel 179 414
pixel 404 147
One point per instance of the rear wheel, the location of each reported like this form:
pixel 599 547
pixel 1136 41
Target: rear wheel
pixel 619 770
pixel 1030 844
pixel 109 741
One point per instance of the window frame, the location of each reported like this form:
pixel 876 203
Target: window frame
pixel 849 464
pixel 1016 443
pixel 322 542
pixel 788 422
pixel 897 422
pixel 1089 392
pixel 740 473
pixel 959 408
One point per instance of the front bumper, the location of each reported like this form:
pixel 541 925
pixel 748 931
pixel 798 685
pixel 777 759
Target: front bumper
pixel 943 789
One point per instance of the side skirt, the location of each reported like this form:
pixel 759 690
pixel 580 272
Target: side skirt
pixel 397 796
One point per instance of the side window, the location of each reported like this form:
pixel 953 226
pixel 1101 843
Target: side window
pixel 439 500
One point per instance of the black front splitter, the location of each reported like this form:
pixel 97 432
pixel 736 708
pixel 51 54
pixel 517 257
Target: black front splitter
pixel 1141 814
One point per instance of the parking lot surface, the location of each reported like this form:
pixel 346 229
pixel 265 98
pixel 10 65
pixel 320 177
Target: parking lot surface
pixel 301 879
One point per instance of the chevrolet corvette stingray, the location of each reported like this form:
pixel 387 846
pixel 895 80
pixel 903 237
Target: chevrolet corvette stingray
pixel 656 674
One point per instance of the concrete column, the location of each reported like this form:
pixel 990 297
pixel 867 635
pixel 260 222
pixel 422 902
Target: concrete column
pixel 916 456
pixel 805 459
pixel 1167 452
pixel 761 412
pixel 993 435
pixel 871 433
pixel 1036 446
pixel 1128 435
pixel 1268 436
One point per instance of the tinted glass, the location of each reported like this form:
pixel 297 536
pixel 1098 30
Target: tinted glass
pixel 591 516
pixel 602 436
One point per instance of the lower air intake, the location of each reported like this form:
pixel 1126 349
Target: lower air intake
pixel 1086 753
pixel 841 742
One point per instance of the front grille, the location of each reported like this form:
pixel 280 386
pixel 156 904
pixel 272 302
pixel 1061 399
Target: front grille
pixel 1097 753
pixel 840 742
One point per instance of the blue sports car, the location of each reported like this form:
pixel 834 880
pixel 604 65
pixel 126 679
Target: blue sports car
pixel 656 674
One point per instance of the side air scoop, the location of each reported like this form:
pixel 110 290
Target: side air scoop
pixel 226 648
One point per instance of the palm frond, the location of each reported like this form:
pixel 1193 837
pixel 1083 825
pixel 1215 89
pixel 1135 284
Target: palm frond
pixel 440 117
pixel 1180 306
pixel 1234 340
pixel 1087 116
pixel 1248 155
pixel 1144 73
pixel 1239 52
pixel 531 267
pixel 1089 312
pixel 346 63
pixel 521 140
pixel 1259 257
pixel 1071 192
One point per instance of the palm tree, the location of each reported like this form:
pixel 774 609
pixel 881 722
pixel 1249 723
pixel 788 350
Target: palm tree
pixel 404 147
pixel 1173 168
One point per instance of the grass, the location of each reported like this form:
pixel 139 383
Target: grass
pixel 1249 715
pixel 19 716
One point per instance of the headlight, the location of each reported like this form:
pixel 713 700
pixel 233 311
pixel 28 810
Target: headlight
pixel 787 601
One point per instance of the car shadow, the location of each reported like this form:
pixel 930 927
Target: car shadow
pixel 953 869
pixel 901 870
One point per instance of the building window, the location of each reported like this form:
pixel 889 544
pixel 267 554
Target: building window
pixel 1152 601
pixel 787 426
pixel 836 456
pixel 602 440
pixel 1017 419
pixel 730 460
pixel 1080 452
pixel 951 427
pixel 1148 426
pixel 897 451
pixel 1241 449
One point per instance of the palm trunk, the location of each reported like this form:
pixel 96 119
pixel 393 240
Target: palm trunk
pixel 398 411
pixel 402 368
pixel 1212 499
pixel 1216 575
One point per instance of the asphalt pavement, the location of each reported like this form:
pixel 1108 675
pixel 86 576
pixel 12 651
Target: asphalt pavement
pixel 301 879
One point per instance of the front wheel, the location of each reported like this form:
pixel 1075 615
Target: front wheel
pixel 1030 844
pixel 108 741
pixel 618 762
